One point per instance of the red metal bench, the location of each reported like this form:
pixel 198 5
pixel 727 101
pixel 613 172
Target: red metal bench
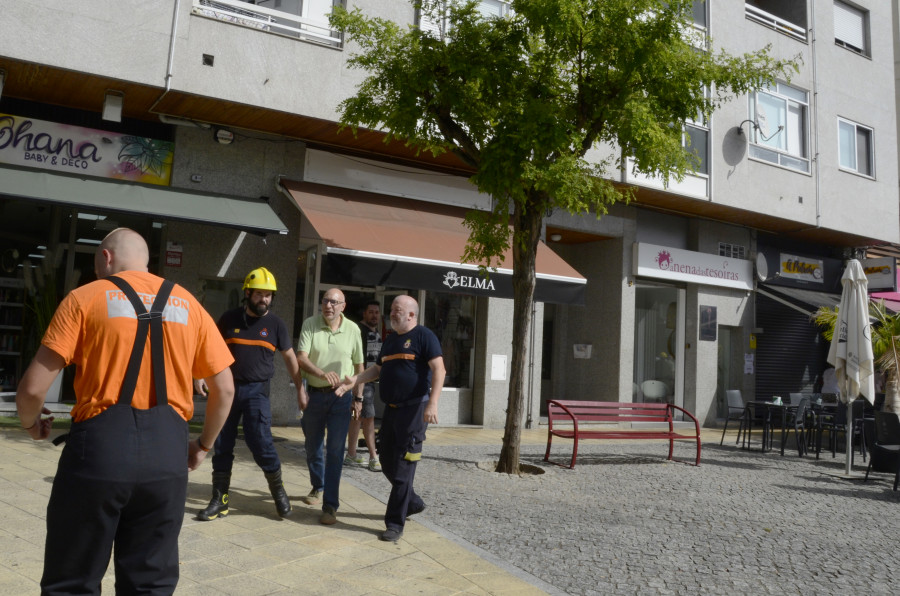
pixel 573 413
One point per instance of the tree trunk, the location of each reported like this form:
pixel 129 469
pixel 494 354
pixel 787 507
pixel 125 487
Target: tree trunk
pixel 526 234
pixel 891 395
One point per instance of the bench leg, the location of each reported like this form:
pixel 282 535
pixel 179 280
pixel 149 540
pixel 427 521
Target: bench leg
pixel 549 440
pixel 575 452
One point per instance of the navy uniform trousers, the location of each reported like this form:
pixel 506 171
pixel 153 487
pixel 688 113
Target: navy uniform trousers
pixel 251 404
pixel 122 479
pixel 400 449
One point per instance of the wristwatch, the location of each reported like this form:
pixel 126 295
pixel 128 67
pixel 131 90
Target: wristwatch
pixel 359 399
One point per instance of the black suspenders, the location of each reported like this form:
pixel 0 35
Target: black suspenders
pixel 147 322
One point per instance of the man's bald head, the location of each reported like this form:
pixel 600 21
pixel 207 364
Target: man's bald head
pixel 404 313
pixel 123 249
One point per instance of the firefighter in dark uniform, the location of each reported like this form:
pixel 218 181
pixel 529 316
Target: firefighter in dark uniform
pixel 253 335
pixel 411 372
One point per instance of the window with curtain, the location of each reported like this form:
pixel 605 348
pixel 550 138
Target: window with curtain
pixel 780 123
pixel 851 27
pixel 855 148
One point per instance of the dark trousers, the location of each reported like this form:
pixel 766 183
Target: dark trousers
pixel 251 403
pixel 325 423
pixel 401 436
pixel 122 479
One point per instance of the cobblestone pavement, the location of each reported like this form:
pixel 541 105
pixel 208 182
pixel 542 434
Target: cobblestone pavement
pixel 626 521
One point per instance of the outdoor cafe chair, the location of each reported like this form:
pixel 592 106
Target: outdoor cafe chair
pixel 799 418
pixel 836 423
pixel 736 411
pixel 885 447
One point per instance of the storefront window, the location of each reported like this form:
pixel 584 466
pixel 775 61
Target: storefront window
pixel 655 326
pixel 452 318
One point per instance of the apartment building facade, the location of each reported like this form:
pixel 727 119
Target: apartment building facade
pixel 211 127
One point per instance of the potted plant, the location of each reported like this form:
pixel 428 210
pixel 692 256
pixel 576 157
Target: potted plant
pixel 885 345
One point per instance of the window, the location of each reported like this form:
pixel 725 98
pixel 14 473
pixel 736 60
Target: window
pixel 855 148
pixel 784 16
pixel 452 318
pixel 851 28
pixel 732 251
pixel 487 8
pixel 696 141
pixel 779 132
pixel 699 13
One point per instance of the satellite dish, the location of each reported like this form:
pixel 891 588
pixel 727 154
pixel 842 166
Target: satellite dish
pixel 762 267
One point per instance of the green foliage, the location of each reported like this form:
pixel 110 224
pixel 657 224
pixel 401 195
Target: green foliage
pixel 545 105
pixel 523 99
pixel 885 333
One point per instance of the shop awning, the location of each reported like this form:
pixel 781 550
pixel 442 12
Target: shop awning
pixel 804 301
pixel 153 201
pixel 808 301
pixel 378 240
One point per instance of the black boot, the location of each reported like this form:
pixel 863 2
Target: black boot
pixel 282 504
pixel 218 505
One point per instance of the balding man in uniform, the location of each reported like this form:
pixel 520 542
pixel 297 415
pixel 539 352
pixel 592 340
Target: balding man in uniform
pixel 122 476
pixel 411 369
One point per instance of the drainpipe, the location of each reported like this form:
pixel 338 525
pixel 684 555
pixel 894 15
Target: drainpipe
pixel 815 110
pixel 170 65
pixel 528 419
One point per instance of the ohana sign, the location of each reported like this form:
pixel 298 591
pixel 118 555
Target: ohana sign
pixel 675 264
pixel 74 149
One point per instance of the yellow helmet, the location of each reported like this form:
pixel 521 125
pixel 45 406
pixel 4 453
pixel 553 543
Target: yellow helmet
pixel 260 279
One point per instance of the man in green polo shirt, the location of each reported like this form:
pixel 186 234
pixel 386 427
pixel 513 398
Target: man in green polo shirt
pixel 330 348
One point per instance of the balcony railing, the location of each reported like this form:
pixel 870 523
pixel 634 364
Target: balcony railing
pixel 779 24
pixel 309 28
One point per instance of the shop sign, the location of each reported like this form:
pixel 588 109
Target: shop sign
pixel 456 282
pixel 881 273
pixel 802 268
pixel 87 151
pixel 675 264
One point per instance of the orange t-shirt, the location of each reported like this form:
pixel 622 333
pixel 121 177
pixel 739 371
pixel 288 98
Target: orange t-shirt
pixel 95 326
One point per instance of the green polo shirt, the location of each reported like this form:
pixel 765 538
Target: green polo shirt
pixel 338 351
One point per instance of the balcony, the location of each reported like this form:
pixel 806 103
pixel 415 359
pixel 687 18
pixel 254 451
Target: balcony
pixel 301 19
pixel 776 22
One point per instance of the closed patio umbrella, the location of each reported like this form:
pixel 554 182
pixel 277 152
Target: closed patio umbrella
pixel 851 346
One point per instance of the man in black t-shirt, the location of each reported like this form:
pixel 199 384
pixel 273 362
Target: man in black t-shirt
pixel 253 335
pixel 411 370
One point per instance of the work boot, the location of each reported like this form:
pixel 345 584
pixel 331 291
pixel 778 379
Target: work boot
pixel 282 504
pixel 218 505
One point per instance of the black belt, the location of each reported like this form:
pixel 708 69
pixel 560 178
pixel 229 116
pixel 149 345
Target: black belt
pixel 410 402
pixel 312 389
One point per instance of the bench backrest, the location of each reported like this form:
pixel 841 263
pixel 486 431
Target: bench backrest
pixel 593 411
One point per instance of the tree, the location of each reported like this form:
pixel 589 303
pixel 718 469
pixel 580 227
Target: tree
pixel 522 100
pixel 885 345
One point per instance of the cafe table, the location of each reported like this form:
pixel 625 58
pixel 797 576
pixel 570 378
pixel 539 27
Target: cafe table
pixel 773 412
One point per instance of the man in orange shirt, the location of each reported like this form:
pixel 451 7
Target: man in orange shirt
pixel 122 476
